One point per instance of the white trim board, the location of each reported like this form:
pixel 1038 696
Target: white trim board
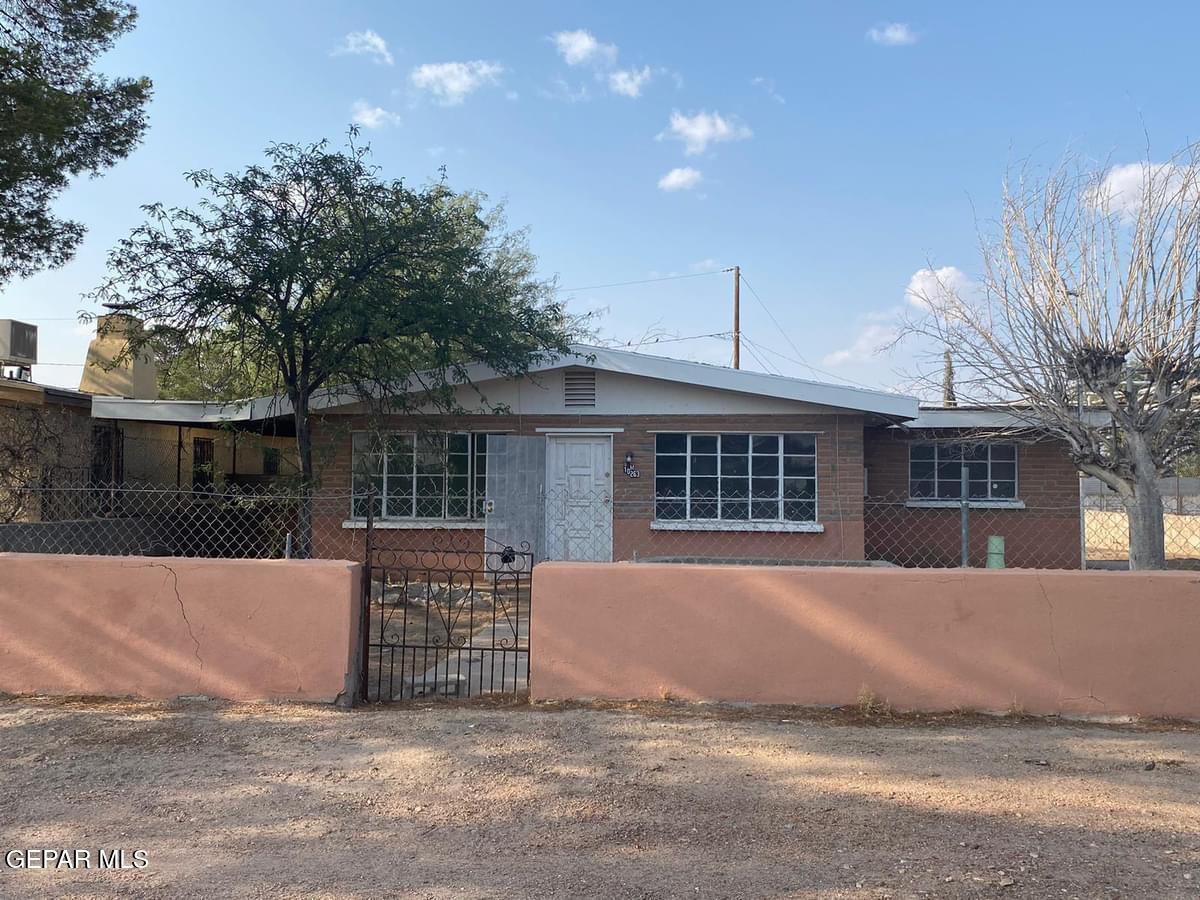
pixel 923 503
pixel 568 430
pixel 746 525
pixel 417 524
pixel 733 430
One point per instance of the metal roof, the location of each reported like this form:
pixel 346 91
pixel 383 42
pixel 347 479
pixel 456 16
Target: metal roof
pixel 991 418
pixel 837 396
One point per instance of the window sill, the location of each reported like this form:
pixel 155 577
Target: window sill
pixel 971 504
pixel 733 525
pixel 415 524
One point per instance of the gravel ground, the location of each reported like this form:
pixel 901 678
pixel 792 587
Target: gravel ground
pixel 655 800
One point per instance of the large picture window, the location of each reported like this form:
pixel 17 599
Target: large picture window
pixel 736 477
pixel 420 476
pixel 935 471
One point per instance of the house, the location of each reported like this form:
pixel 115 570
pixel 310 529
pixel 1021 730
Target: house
pixel 157 442
pixel 52 441
pixel 1021 484
pixel 613 455
pixel 46 438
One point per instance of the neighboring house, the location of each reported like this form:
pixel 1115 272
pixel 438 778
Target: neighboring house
pixel 163 444
pixel 54 440
pixel 613 455
pixel 156 442
pixel 46 440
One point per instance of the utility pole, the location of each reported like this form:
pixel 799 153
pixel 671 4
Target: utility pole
pixel 737 317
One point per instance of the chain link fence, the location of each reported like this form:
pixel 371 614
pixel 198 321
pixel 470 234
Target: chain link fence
pixel 227 521
pixel 883 531
pixel 1180 496
pixel 240 521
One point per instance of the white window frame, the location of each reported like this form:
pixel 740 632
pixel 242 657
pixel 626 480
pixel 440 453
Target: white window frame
pixel 779 523
pixel 1013 501
pixel 386 515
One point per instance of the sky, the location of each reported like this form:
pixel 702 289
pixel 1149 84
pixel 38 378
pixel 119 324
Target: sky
pixel 837 152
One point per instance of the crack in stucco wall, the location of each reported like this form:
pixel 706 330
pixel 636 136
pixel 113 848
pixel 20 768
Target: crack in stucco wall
pixel 174 577
pixel 1053 644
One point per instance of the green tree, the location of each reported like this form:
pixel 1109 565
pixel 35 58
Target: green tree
pixel 208 367
pixel 337 280
pixel 58 119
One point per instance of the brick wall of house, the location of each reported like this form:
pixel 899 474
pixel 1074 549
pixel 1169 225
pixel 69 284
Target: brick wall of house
pixel 1046 534
pixel 839 484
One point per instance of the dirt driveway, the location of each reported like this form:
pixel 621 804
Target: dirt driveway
pixel 663 801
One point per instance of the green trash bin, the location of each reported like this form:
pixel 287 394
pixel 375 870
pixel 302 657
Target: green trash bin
pixel 995 557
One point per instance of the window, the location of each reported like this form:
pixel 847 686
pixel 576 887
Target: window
pixel 732 477
pixel 203 465
pixel 935 471
pixel 420 476
pixel 271 459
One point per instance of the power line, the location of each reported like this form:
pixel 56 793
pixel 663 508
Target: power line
pixel 596 287
pixel 754 349
pixel 774 320
pixel 675 340
pixel 48 319
pixel 800 360
pixel 813 369
pixel 767 367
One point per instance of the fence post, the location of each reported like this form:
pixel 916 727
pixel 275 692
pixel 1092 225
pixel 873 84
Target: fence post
pixel 1083 522
pixel 964 517
pixel 364 618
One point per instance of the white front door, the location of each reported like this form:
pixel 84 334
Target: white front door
pixel 579 484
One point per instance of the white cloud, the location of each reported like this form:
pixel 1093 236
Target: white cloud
pixel 892 34
pixel 580 46
pixel 768 86
pixel 629 82
pixel 681 179
pixel 560 89
pixel 451 82
pixel 935 287
pixel 365 43
pixel 368 116
pixel 872 337
pixel 702 129
pixel 928 288
pixel 1123 189
pixel 705 265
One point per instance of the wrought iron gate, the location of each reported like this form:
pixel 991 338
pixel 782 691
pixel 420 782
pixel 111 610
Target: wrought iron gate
pixel 445 621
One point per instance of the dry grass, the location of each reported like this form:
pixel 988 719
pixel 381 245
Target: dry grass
pixel 1107 535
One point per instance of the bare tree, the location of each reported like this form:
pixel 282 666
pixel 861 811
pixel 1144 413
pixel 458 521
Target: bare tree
pixel 40 446
pixel 1084 324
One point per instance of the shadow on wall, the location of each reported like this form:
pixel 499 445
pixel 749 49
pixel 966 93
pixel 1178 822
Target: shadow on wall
pixel 161 628
pixel 1043 642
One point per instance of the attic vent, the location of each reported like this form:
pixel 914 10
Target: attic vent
pixel 579 387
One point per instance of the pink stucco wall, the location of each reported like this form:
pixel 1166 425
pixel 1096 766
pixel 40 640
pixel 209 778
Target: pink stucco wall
pixel 1079 643
pixel 165 627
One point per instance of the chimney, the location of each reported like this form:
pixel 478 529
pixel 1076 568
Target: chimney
pixel 135 377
